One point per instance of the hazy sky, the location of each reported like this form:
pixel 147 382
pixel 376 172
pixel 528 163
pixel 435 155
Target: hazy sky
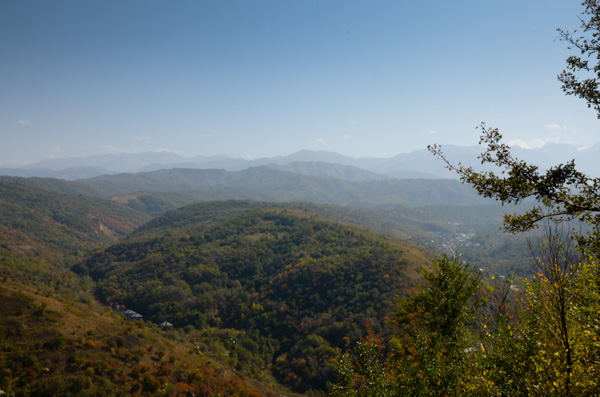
pixel 265 78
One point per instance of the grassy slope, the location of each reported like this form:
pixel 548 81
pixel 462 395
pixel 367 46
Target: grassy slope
pixel 50 345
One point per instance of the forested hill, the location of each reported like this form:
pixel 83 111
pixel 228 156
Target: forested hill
pixel 157 191
pixel 53 185
pixel 323 169
pixel 191 216
pixel 268 184
pixel 285 284
pixel 42 231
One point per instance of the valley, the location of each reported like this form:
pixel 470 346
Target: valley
pixel 299 199
pixel 266 275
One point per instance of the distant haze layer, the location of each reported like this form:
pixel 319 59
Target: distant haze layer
pixel 417 164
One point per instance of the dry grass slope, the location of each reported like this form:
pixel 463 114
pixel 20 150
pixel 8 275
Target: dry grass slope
pixel 50 345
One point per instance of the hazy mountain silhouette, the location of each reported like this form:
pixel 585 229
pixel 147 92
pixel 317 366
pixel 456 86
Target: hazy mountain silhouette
pixel 416 164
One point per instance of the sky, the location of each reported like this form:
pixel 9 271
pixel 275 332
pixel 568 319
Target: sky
pixel 267 78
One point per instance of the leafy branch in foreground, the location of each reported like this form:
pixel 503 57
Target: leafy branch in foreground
pixel 562 192
pixel 552 348
pixel 587 43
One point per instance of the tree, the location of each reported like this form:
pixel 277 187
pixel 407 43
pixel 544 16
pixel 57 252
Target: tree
pixel 433 345
pixel 588 45
pixel 554 348
pixel 365 372
pixel 563 192
pixel 434 330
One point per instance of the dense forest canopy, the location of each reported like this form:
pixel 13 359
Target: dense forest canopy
pixel 293 282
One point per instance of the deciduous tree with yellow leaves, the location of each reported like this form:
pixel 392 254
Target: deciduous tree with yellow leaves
pixel 552 348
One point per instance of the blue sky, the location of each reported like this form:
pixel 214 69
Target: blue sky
pixel 266 78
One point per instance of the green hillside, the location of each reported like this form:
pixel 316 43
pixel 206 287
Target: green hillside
pixel 272 291
pixel 287 285
pixel 472 230
pixel 53 185
pixel 269 184
pixel 441 214
pixel 51 346
pixel 42 233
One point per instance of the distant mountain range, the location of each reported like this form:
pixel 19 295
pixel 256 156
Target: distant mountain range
pixel 263 184
pixel 414 165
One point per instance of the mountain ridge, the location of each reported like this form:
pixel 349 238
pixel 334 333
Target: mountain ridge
pixel 415 164
pixel 269 184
